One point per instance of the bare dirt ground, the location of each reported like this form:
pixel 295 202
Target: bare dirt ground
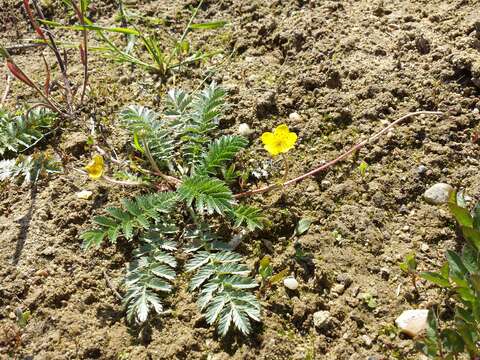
pixel 346 68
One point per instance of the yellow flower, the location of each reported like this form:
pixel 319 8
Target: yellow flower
pixel 95 167
pixel 280 141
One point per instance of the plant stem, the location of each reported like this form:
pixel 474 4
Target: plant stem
pixel 287 168
pixel 122 182
pixel 83 49
pixel 339 158
pixel 156 170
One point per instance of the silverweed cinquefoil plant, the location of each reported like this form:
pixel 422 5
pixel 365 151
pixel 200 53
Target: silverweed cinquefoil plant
pixel 182 151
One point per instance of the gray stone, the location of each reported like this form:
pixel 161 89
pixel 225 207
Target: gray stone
pixel 422 169
pixel 437 194
pixel 321 319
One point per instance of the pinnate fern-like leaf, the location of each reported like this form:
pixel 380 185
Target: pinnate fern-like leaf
pixel 149 274
pixel 209 194
pixel 224 283
pixel 146 126
pixel 207 106
pixel 249 216
pixel 135 215
pixel 29 168
pixel 17 133
pixel 221 151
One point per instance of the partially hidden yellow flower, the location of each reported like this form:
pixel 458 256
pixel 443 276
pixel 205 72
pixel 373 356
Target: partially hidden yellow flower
pixel 95 167
pixel 280 141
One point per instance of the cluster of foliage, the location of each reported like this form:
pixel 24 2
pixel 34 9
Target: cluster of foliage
pixel 162 56
pixel 182 143
pixel 18 136
pixel 66 104
pixel 459 277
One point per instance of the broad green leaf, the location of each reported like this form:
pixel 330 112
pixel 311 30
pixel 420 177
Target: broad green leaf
pixel 473 236
pixel 476 216
pixel 435 278
pixel 432 325
pixel 457 268
pixel 264 269
pixel 461 215
pixel 470 259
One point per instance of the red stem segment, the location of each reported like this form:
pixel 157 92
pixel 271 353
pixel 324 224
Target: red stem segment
pixel 337 159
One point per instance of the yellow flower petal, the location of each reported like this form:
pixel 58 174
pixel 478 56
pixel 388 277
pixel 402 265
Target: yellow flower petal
pixel 281 130
pixel 280 141
pixel 267 137
pixel 290 140
pixel 95 167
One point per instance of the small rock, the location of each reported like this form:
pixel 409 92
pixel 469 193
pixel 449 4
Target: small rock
pixel 437 194
pixel 84 194
pixel 412 322
pixel 321 318
pixel 244 129
pixel 42 273
pixel 338 289
pixel 291 283
pixel 385 273
pixel 48 251
pixel 422 169
pixel 424 247
pixel 367 340
pixel 403 209
pixel 268 244
pixel 344 279
pixel 325 184
pixel 295 117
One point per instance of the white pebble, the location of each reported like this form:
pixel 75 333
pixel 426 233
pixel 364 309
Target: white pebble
pixel 295 116
pixel 290 283
pixel 412 322
pixel 244 129
pixel 84 194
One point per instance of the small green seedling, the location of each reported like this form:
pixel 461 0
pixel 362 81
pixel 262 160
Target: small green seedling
pixel 265 270
pixel 409 267
pixel 369 300
pixel 22 317
pixel 362 168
